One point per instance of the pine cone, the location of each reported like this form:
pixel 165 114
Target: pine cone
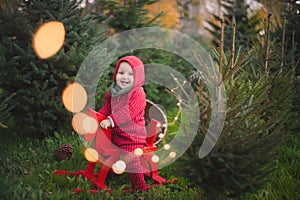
pixel 65 151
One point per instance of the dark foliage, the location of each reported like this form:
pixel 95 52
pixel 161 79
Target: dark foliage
pixel 38 84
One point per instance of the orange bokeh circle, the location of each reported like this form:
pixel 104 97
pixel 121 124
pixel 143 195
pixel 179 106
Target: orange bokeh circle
pixel 91 155
pixel 84 124
pixel 77 122
pixel 48 39
pixel 74 97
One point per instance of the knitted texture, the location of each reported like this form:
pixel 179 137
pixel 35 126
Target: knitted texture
pixel 134 167
pixel 127 112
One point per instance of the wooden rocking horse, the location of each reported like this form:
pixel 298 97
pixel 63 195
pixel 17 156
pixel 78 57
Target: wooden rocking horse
pixel 156 124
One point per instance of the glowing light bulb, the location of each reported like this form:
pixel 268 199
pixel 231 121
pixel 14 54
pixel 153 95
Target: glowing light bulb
pixel 167 146
pixel 155 158
pixel 172 154
pixel 138 152
pixel 119 167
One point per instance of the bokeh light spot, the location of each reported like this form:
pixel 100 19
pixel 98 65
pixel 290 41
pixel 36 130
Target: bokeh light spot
pixel 90 125
pixel 48 39
pixel 91 154
pixel 78 121
pixel 172 154
pixel 158 125
pixel 155 158
pixel 167 146
pixel 119 167
pixel 138 152
pixel 161 135
pixel 74 97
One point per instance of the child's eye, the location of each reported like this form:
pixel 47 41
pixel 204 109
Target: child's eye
pixel 121 72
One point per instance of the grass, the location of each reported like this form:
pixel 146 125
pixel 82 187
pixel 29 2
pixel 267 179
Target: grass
pixel 27 166
pixel 285 182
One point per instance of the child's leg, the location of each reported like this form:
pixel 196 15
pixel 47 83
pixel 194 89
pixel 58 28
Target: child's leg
pixel 134 168
pixel 135 175
pixel 137 181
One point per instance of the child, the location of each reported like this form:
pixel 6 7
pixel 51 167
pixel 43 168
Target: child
pixel 124 107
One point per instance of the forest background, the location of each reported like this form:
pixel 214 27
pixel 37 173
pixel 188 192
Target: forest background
pixel 255 47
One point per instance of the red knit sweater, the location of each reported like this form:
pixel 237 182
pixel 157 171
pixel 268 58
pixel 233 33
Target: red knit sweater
pixel 127 110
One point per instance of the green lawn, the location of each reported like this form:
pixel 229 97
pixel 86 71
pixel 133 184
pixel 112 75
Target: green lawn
pixel 27 168
pixel 285 181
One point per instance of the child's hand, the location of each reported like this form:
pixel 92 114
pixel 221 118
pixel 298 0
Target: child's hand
pixel 105 124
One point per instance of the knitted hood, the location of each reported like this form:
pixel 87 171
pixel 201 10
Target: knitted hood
pixel 137 69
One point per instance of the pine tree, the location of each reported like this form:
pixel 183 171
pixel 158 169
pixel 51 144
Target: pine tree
pixel 38 84
pixel 125 15
pixel 291 11
pixel 5 111
pixel 258 112
pixel 285 42
pixel 235 14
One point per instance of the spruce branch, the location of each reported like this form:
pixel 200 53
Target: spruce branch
pixel 267 51
pixel 283 44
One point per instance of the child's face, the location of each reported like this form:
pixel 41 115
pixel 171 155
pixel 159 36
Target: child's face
pixel 124 76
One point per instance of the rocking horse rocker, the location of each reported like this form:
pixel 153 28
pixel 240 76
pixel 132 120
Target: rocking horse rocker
pixel 107 154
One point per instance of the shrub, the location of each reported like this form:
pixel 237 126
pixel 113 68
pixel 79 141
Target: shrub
pixel 258 109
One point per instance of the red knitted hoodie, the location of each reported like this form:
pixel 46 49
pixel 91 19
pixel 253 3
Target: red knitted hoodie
pixel 127 110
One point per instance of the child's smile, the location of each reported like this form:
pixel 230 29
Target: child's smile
pixel 124 76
